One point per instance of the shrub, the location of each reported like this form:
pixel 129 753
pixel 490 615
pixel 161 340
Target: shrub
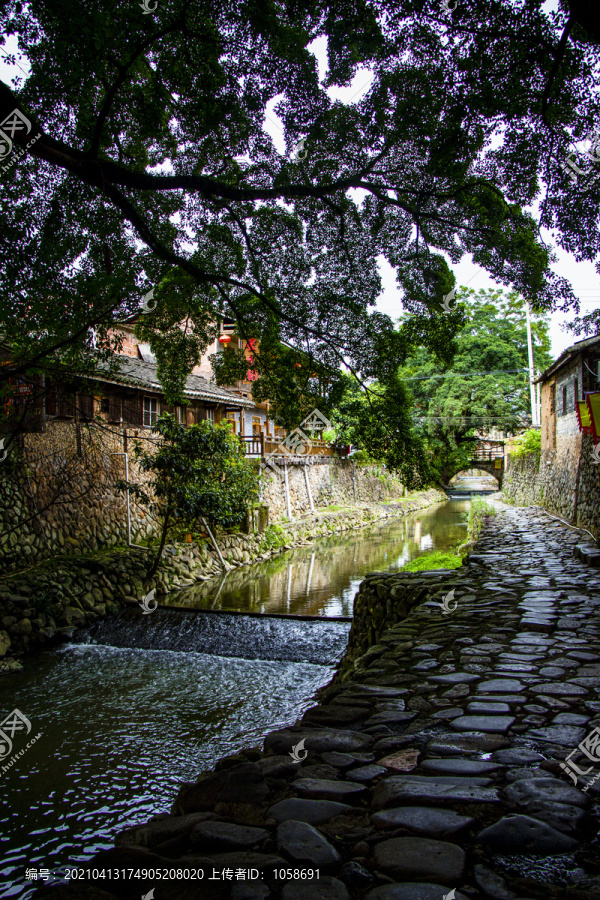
pixel 527 443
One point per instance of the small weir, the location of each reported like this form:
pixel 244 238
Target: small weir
pixel 222 634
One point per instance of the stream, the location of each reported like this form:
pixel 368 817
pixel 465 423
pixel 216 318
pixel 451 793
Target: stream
pixel 137 704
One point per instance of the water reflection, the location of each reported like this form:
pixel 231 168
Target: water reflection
pixel 322 580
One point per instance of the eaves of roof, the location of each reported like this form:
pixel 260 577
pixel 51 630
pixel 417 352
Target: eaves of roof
pixel 567 354
pixel 142 375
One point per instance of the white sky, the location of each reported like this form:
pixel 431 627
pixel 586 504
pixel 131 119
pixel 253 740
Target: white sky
pixel 582 275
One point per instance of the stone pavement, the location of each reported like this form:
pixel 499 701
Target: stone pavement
pixel 434 770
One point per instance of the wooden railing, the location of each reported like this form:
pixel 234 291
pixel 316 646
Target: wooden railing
pixel 259 445
pixel 483 454
pixel 254 444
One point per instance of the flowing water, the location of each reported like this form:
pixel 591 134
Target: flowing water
pixel 142 703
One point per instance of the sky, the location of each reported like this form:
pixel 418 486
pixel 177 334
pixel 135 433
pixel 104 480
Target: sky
pixel 581 275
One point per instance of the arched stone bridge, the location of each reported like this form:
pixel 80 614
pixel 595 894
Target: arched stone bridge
pixel 484 458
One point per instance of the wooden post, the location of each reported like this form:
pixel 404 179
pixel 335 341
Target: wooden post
pixel 308 490
pixel 287 492
pixel 262 444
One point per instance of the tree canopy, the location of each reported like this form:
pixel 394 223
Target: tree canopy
pixel 488 386
pixel 140 161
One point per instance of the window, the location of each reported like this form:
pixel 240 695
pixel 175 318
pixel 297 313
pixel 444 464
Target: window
pixel 210 415
pixel 150 411
pixel 104 405
pixel 232 422
pixel 576 390
pixel 564 401
pixel 180 415
pixel 256 424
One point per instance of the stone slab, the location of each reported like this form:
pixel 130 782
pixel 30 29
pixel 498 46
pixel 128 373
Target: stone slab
pixel 364 774
pixel 501 686
pixel 460 766
pixel 520 834
pixel 302 843
pixel 397 790
pixel 318 741
pixel 454 678
pixel 324 789
pixel 315 812
pixel 487 724
pixel 422 820
pixel 469 742
pixel 561 689
pixel 567 735
pixel 488 709
pixel 533 793
pixel 417 857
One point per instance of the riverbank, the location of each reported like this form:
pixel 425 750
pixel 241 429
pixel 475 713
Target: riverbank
pixel 432 761
pixel 48 602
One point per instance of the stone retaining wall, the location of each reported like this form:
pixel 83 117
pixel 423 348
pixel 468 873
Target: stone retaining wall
pixel 565 484
pixel 337 482
pixel 58 494
pixel 384 600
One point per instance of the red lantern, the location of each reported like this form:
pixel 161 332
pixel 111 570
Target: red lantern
pixel 225 339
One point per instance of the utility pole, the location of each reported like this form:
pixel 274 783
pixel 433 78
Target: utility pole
pixel 534 408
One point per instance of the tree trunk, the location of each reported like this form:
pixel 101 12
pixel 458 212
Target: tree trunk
pixel 163 539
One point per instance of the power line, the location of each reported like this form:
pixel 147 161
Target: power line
pixel 470 418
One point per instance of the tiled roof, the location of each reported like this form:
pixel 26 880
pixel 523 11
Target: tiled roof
pixel 566 355
pixel 142 374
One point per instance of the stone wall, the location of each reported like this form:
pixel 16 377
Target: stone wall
pixel 336 482
pixel 384 600
pixel 566 482
pixel 59 495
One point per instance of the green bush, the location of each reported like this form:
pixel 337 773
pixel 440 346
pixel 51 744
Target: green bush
pixel 273 538
pixel 477 511
pixel 527 443
pixel 362 458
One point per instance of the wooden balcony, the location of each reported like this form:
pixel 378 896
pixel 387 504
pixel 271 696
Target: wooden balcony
pixel 257 445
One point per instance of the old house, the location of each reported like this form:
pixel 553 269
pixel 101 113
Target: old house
pixel 248 419
pixel 126 394
pixel 565 477
pixel 570 388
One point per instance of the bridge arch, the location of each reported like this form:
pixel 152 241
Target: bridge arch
pixel 488 458
pixel 485 468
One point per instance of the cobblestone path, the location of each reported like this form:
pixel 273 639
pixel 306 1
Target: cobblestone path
pixel 435 770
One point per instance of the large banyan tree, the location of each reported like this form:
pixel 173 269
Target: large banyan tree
pixel 135 157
